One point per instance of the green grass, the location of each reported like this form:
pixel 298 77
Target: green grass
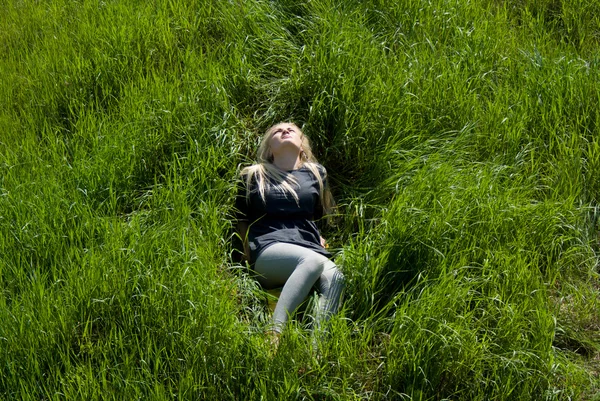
pixel 463 148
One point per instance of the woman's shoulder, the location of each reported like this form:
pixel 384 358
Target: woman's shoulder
pixel 321 169
pixel 249 173
pixel 246 177
pixel 251 169
pixel 316 167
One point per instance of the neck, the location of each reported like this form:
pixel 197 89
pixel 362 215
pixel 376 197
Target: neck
pixel 287 161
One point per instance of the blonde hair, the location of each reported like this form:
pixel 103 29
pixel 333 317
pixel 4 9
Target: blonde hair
pixel 266 173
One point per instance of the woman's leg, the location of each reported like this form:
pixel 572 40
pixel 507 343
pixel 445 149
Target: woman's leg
pixel 297 269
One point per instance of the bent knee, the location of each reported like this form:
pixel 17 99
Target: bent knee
pixel 338 277
pixel 314 264
pixel 333 272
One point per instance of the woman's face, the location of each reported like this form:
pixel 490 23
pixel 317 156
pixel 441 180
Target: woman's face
pixel 285 136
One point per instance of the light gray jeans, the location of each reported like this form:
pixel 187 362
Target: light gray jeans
pixel 298 269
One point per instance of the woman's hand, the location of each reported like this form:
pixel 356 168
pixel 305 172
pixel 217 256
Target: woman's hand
pixel 324 243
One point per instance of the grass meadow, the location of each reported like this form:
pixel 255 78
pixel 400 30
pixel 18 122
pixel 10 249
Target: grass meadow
pixel 462 141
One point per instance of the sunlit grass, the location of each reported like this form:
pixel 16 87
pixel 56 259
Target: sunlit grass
pixel 461 140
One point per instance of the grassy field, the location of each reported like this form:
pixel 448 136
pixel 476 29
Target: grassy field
pixel 462 141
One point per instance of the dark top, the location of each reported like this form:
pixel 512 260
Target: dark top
pixel 280 218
